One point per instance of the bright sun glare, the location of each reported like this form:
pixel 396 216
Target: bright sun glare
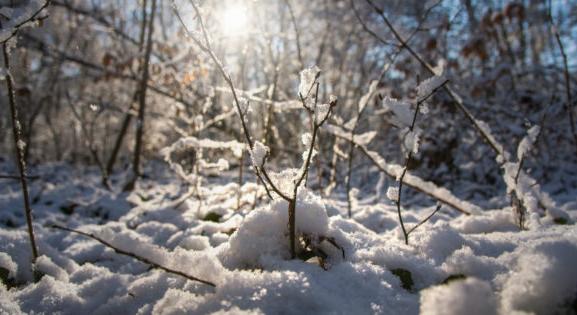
pixel 234 20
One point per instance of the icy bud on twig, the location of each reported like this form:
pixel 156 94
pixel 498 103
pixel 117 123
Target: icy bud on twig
pixel 308 78
pixel 307 139
pixel 393 193
pixel 528 141
pixel 403 116
pixel 428 86
pixel 258 154
pixel 244 105
pixel 322 111
pixel 412 139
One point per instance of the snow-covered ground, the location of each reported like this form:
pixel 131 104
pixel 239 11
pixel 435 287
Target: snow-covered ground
pixel 454 264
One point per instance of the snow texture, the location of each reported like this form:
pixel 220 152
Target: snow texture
pixel 258 153
pixel 470 296
pixel 308 77
pixel 496 268
pixel 425 88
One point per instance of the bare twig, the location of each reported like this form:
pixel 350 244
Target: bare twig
pixel 569 104
pixel 139 258
pixel 425 219
pixel 297 34
pixel 34 16
pixel 409 158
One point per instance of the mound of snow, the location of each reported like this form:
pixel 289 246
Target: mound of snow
pixel 470 296
pixel 544 279
pixel 264 232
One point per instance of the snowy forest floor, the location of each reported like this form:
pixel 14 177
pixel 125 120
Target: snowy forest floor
pixel 454 264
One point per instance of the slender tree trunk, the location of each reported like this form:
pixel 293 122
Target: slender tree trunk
pixel 19 148
pixel 142 102
pixel 128 116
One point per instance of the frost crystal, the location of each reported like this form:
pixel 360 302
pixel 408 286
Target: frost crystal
pixel 244 105
pixel 393 193
pixel 306 138
pixel 401 110
pixel 308 77
pixel 258 153
pixel 365 138
pixel 412 139
pixel 367 97
pixel 528 141
pixel 321 112
pixel 428 86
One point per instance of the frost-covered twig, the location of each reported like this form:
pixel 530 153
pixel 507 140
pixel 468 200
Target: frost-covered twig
pixel 19 147
pixel 428 188
pixel 31 12
pixel 206 47
pixel 372 89
pixel 137 257
pixel 409 155
pixel 480 126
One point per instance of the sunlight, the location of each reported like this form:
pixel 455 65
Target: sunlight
pixel 234 20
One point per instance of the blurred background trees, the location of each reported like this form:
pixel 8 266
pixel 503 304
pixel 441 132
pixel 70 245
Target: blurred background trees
pixel 81 82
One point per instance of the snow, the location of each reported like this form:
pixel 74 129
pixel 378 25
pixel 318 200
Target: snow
pixel 470 296
pixel 365 138
pixel 402 111
pixel 321 112
pixel 8 264
pixel 412 139
pixel 21 144
pixel 496 268
pixel 306 139
pixel 393 193
pixel 528 141
pixel 258 153
pixel 307 79
pixel 543 279
pixel 425 88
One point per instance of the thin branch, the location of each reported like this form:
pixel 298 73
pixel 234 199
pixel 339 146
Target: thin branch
pixel 207 49
pixel 425 219
pixel 16 28
pixel 139 258
pixel 409 159
pixel 297 34
pixel 496 146
pixel 569 104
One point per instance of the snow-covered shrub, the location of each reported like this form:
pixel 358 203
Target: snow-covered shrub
pixel 264 232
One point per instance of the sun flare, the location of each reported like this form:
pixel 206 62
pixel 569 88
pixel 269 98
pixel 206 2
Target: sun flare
pixel 234 20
